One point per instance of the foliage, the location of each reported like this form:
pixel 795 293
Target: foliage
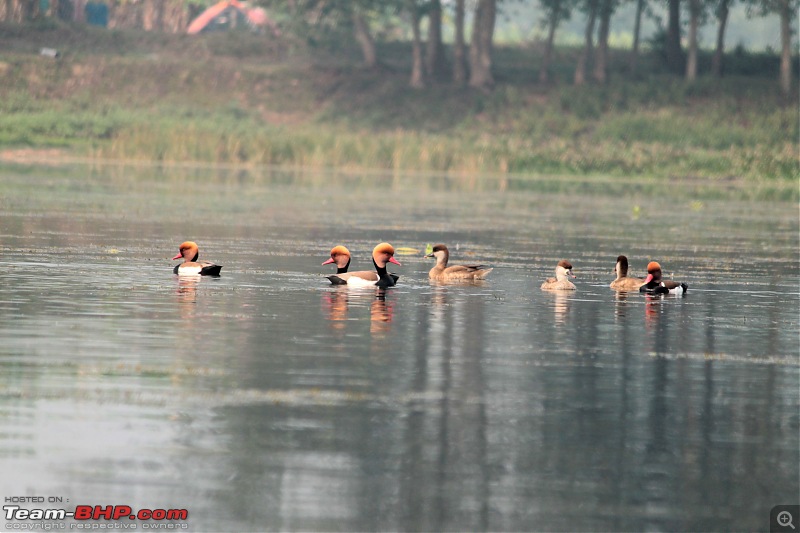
pixel 251 101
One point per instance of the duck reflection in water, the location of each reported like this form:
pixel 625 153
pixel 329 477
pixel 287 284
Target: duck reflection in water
pixel 381 313
pixel 562 301
pixel 187 295
pixel 334 305
pixel 187 288
pixel 620 303
pixel 652 309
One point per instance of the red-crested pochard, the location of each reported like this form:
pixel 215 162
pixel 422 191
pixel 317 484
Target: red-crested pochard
pixel 442 272
pixel 561 282
pixel 381 255
pixel 191 266
pixel 653 284
pixel 340 256
pixel 623 282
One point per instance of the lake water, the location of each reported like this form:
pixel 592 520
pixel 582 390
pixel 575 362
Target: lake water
pixel 269 400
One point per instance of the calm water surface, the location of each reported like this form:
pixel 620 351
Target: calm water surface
pixel 268 400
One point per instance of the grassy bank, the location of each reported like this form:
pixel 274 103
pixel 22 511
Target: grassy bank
pixel 246 100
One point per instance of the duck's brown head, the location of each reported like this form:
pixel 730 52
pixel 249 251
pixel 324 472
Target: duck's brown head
pixel 189 251
pixel 384 253
pixel 440 252
pixel 340 256
pixel 564 270
pixel 622 266
pixel 653 272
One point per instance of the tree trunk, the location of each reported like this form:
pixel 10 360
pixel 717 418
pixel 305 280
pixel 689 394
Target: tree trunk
pixel 24 10
pixel 78 11
pixel 364 38
pixel 434 59
pixel 716 61
pixel 417 76
pixel 13 9
pixel 586 53
pixel 673 44
pixel 786 48
pixel 691 62
pixel 151 14
pixel 480 51
pixel 544 70
pixel 601 57
pixel 176 17
pixel 459 48
pixel 637 30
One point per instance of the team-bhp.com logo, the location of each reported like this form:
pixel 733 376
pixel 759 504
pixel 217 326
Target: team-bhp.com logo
pixel 87 515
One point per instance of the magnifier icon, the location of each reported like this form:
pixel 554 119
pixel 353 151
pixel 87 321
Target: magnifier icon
pixel 785 519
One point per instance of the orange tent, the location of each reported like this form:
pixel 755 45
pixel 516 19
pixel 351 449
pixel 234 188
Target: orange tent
pixel 255 17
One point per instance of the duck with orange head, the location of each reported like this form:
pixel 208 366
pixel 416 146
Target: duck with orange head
pixel 653 284
pixel 382 255
pixel 191 265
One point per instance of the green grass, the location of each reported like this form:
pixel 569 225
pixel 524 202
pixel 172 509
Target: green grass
pixel 240 99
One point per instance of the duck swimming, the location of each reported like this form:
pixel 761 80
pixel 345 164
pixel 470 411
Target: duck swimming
pixel 382 254
pixel 653 284
pixel 623 282
pixel 191 266
pixel 561 282
pixel 442 272
pixel 340 256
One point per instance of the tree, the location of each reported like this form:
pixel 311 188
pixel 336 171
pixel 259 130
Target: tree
pixel 695 13
pixel 590 6
pixel 480 50
pixel 364 39
pixel 360 13
pixel 606 9
pixel 555 12
pixel 434 58
pixel 6 9
pixel 21 10
pixel 459 48
pixel 722 11
pixel 417 73
pixel 30 9
pixel 786 10
pixel 637 30
pixel 175 16
pixel 152 11
pixel 673 49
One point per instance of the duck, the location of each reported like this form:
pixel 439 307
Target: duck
pixel 623 282
pixel 191 266
pixel 381 255
pixel 653 284
pixel 442 272
pixel 340 256
pixel 561 282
